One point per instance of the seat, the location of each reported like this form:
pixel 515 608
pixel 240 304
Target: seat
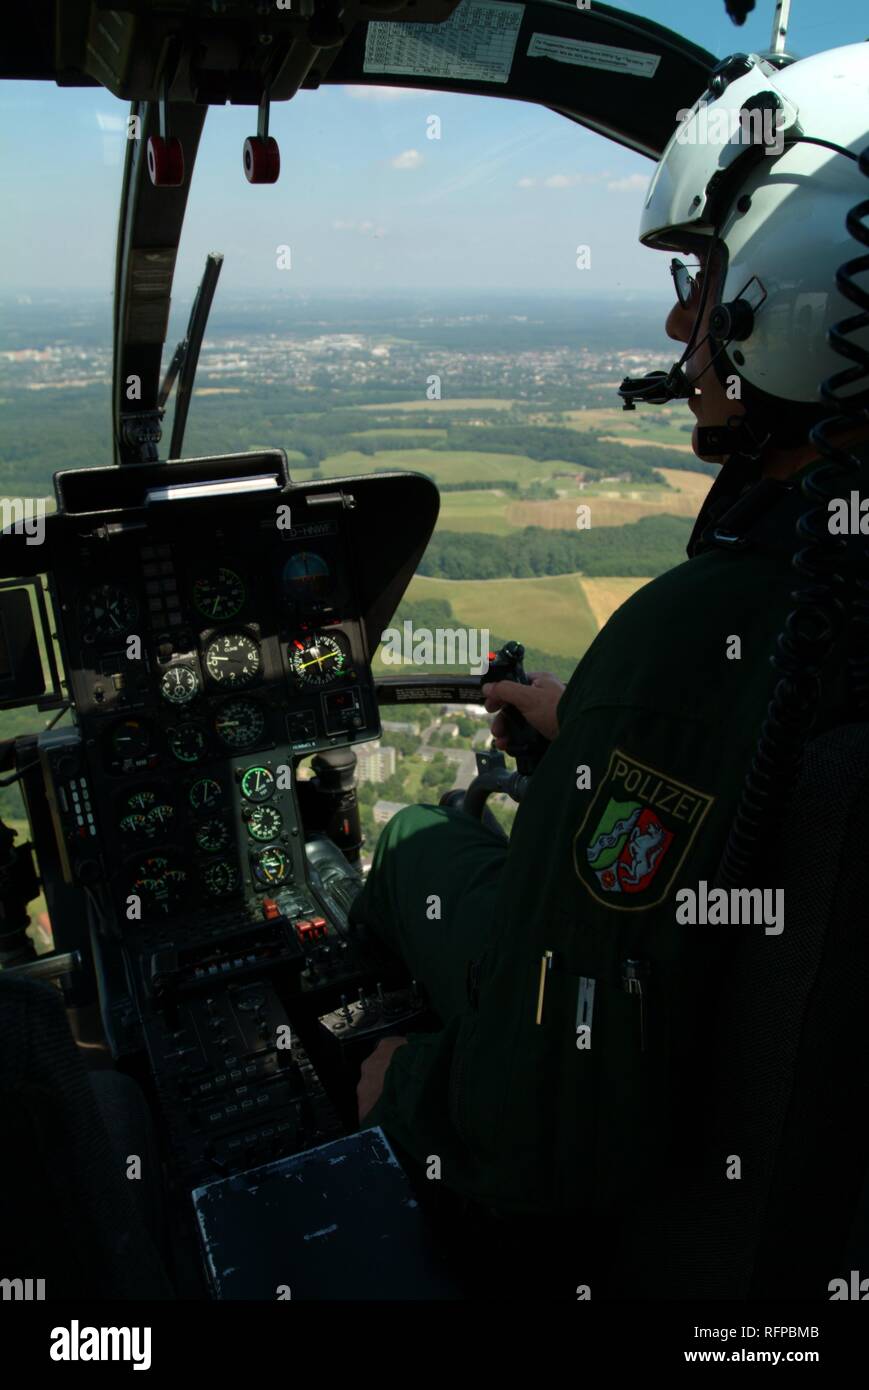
pixel 68 1212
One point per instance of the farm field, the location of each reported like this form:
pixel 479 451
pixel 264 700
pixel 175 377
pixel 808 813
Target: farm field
pixel 615 506
pixel 552 613
pixel 401 432
pixel 635 427
pixel 446 406
pixel 560 614
pixel 500 513
pixel 604 596
pixel 627 501
pixel 458 466
pixel 636 442
pixel 486 510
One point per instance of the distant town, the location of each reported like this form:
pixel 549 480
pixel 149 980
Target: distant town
pixel 348 362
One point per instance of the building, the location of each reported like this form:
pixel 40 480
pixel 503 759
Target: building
pixel 400 726
pixel 374 763
pixel 385 810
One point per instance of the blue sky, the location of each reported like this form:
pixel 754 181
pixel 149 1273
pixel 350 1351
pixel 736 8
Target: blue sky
pixel 365 201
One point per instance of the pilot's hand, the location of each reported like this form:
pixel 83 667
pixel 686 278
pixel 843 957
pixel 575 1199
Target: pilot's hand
pixel 538 702
pixel 374 1070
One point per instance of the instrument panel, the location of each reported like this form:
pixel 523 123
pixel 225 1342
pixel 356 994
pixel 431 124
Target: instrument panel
pixel 202 668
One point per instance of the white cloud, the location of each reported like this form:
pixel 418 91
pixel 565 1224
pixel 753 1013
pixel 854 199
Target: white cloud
pixel 561 180
pixel 408 159
pixel 633 183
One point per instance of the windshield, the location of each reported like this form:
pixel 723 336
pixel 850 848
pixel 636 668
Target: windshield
pixel 443 283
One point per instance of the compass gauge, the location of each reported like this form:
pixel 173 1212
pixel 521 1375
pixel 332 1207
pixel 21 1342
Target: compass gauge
pixel 318 660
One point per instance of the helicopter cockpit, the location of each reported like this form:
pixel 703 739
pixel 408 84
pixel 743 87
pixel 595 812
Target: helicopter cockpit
pixel 212 622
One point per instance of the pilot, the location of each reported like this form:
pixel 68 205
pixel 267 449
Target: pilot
pixel 574 977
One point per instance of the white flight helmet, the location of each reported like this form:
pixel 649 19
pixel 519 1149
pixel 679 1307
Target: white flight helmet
pixel 765 166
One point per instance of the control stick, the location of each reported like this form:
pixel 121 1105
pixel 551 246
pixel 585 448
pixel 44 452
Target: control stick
pixel 526 745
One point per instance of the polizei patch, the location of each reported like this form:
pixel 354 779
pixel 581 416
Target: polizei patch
pixel 636 833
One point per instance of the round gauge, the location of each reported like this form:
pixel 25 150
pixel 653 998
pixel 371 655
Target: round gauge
pixel 239 723
pixel 107 611
pixel 233 659
pixel 179 685
pixel 317 661
pixel 131 741
pixel 306 577
pixel 205 794
pixel 162 815
pixel 135 825
pixel 219 595
pixel 146 814
pixel 187 743
pixel 220 877
pixel 159 883
pixel 265 823
pixel 257 784
pixel 270 865
pixel 212 835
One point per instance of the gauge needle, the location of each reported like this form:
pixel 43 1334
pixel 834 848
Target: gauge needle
pixel 318 660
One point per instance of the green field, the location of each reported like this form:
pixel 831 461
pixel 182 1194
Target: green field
pixel 635 426
pixel 551 613
pixel 460 466
pixel 445 407
pixel 400 432
pixel 476 511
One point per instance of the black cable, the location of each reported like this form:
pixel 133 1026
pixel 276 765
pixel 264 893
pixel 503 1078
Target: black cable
pixel 817 618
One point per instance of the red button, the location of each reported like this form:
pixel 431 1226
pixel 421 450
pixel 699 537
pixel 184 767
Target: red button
pixel 270 909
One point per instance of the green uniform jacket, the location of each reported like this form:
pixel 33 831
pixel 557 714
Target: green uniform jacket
pixel 528 1108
